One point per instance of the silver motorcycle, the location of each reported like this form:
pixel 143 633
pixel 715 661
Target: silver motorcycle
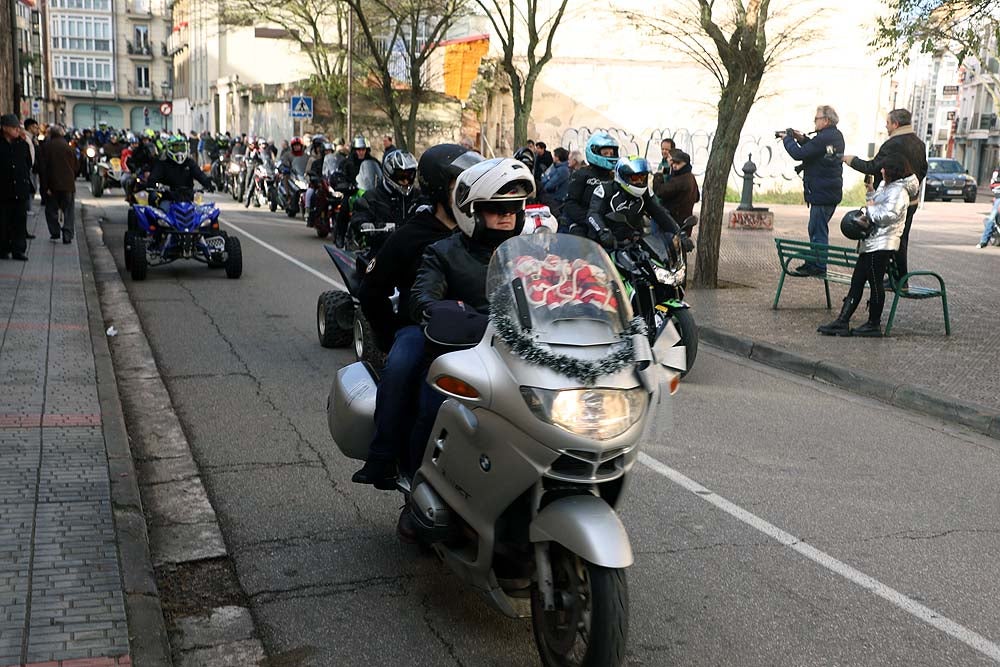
pixel 531 451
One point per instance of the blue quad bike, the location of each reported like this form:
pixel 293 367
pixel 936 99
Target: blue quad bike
pixel 166 226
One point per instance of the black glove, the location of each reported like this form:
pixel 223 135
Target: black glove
pixel 210 189
pixel 687 244
pixel 606 238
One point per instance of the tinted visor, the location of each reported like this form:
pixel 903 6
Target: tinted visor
pixel 501 207
pixel 639 180
pixel 402 176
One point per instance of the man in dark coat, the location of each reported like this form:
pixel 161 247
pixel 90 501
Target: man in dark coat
pixel 822 178
pixel 902 141
pixel 56 172
pixel 15 189
pixel 678 193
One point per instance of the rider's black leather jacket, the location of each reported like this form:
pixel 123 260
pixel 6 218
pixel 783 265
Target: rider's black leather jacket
pixel 452 269
pixel 581 187
pixel 177 176
pixel 382 205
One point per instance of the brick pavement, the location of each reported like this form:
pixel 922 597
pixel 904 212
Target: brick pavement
pixel 963 365
pixel 61 592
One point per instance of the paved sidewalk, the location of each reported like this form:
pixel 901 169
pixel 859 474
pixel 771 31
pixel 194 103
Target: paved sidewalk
pixel 61 589
pixel 961 367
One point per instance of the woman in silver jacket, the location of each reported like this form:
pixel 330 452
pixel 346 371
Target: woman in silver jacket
pixel 886 213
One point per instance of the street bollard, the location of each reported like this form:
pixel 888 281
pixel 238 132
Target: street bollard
pixel 746 215
pixel 749 170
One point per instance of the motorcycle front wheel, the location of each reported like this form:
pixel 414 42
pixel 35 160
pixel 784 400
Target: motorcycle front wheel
pixel 687 329
pixel 589 626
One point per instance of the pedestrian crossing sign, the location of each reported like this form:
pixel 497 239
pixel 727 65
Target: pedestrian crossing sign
pixel 302 108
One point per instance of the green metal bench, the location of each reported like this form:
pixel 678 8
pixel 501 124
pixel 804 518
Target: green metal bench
pixel 792 250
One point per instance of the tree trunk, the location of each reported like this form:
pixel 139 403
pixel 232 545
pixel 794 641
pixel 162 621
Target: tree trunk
pixel 734 106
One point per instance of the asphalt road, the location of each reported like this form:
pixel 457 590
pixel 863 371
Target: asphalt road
pixel 891 517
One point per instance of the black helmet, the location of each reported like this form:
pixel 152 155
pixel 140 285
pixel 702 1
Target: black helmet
pixel 439 166
pixel 526 156
pixel 855 225
pixel 399 170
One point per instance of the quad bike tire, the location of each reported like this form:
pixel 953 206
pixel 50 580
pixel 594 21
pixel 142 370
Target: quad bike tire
pixel 335 319
pixel 129 241
pixel 234 258
pixel 139 263
pixel 365 348
pixel 97 184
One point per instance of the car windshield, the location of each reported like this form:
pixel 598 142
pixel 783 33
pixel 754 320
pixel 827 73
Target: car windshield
pixel 944 167
pixel 559 289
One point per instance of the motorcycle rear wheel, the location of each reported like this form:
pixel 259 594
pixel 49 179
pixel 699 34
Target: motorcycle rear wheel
pixel 589 627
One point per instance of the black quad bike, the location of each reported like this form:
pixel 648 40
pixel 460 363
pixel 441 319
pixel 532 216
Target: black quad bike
pixel 339 320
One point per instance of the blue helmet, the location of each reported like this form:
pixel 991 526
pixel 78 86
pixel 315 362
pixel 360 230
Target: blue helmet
pixel 632 174
pixel 597 141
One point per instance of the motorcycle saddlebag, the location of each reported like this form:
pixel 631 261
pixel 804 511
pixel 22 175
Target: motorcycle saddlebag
pixel 350 409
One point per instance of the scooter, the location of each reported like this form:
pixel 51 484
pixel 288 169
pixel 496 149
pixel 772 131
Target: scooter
pixel 533 446
pixel 655 275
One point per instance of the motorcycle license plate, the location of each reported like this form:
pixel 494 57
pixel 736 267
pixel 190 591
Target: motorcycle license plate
pixel 116 164
pixel 954 192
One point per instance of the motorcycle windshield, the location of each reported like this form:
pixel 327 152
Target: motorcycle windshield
pixel 299 165
pixel 559 289
pixel 331 163
pixel 368 175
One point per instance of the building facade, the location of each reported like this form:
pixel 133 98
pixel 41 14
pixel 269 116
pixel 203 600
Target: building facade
pixel 108 62
pixel 977 133
pixel 30 62
pixel 220 67
pixel 930 91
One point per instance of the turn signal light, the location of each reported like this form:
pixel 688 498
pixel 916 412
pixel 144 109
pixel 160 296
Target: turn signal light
pixel 455 386
pixel 675 383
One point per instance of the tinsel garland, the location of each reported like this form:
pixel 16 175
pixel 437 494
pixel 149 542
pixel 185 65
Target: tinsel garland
pixel 525 347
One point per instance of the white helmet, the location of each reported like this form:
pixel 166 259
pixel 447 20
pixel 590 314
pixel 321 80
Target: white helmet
pixel 500 180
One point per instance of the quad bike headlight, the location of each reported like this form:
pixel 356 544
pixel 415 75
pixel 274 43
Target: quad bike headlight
pixel 595 413
pixel 141 198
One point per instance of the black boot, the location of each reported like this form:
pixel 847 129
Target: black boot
pixel 842 325
pixel 380 474
pixel 868 330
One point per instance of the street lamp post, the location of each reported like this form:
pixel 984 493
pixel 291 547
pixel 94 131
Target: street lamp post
pixel 93 93
pixel 165 89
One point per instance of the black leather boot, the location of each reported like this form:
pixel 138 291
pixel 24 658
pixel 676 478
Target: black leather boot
pixel 380 474
pixel 842 325
pixel 868 330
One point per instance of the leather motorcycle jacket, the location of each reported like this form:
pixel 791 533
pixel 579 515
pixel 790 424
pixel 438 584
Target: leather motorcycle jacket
pixel 382 205
pixel 178 176
pixel 887 214
pixel 452 269
pixel 580 189
pixel 614 210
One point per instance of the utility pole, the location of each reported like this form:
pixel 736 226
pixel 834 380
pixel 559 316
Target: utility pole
pixel 350 71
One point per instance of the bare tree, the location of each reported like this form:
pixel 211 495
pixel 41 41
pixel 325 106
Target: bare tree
pixel 732 44
pixel 399 37
pixel 308 23
pixel 515 21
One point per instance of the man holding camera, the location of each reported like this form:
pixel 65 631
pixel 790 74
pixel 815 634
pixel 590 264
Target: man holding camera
pixel 822 176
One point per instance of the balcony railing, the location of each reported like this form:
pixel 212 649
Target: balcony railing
pixel 135 90
pixel 142 49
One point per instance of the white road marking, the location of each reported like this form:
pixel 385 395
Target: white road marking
pixel 963 634
pixel 280 253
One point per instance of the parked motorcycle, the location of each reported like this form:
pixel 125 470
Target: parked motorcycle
pixel 107 173
pixel 173 225
pixel 656 275
pixel 531 450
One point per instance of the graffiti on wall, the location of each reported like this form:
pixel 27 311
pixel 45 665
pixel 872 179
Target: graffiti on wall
pixel 773 163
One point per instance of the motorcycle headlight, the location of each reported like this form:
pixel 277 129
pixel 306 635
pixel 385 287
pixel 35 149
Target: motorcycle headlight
pixel 234 167
pixel 600 414
pixel 91 151
pixel 670 278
